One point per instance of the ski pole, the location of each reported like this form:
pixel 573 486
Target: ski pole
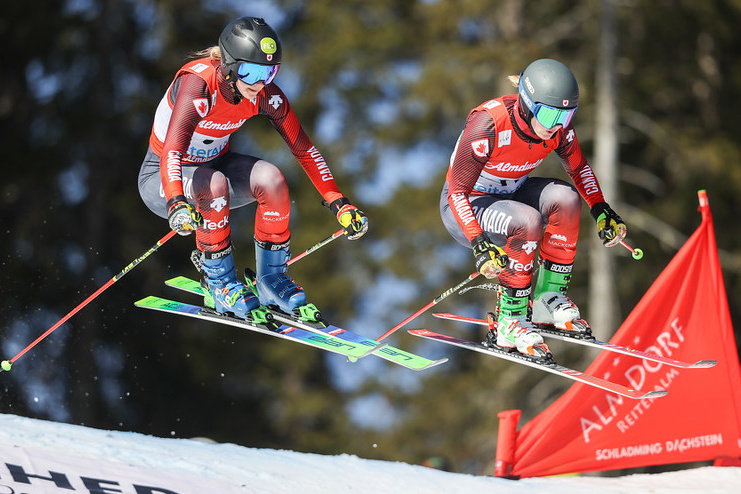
pixel 636 253
pixel 5 365
pixel 437 300
pixel 321 244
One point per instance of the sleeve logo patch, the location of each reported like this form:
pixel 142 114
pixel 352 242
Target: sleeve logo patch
pixel 480 148
pixel 201 105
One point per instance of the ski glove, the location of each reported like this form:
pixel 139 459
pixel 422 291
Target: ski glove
pixel 610 227
pixel 351 218
pixel 490 259
pixel 183 218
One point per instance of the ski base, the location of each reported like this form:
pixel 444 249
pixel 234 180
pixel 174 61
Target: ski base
pixel 595 343
pixel 395 355
pixel 553 368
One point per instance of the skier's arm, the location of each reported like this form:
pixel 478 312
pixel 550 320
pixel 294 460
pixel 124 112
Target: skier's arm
pixel 187 90
pixel 577 166
pixel 610 227
pixel 469 157
pixel 274 104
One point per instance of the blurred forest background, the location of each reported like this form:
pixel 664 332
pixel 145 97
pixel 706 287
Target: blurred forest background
pixel 383 88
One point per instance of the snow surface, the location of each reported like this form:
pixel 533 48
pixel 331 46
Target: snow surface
pixel 266 471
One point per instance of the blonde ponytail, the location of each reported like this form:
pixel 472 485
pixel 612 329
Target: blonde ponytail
pixel 211 52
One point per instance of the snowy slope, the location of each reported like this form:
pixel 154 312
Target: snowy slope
pixel 121 462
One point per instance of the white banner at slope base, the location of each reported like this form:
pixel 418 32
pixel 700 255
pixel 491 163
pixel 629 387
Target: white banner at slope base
pixel 27 471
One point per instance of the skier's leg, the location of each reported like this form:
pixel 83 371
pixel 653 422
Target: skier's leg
pixel 263 182
pixel 224 291
pixel 517 227
pixel 560 206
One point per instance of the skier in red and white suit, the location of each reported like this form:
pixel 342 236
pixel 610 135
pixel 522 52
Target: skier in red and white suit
pixel 490 203
pixel 191 177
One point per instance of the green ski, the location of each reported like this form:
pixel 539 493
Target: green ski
pixel 325 342
pixel 395 355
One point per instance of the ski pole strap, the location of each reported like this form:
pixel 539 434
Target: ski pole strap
pixel 321 244
pixel 492 287
pixel 436 300
pixel 100 290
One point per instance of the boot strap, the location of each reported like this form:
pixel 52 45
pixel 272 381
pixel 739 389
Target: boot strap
pixel 515 292
pixel 217 254
pixel 265 245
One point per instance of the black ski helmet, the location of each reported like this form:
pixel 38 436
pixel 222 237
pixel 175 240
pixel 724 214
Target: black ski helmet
pixel 547 82
pixel 248 39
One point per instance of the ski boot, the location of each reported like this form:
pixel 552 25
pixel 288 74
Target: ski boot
pixel 510 329
pixel 551 307
pixel 223 292
pixel 274 287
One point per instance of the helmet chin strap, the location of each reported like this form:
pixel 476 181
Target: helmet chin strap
pixel 526 121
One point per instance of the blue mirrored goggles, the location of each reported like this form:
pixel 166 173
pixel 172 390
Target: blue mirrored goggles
pixel 549 116
pixel 252 73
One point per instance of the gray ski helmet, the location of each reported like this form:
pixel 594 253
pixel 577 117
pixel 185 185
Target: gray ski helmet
pixel 249 39
pixel 547 82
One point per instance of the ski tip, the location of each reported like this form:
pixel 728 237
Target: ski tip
pixel 658 393
pixel 428 365
pixel 422 332
pixel 437 362
pixel 704 364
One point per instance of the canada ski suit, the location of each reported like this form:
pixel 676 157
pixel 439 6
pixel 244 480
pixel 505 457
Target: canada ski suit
pixel 487 188
pixel 190 142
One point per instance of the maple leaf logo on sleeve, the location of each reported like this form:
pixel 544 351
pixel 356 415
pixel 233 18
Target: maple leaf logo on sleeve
pixel 201 105
pixel 480 148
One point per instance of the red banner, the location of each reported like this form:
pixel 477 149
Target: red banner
pixel 684 315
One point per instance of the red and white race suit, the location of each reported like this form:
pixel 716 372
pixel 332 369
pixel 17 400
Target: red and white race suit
pixel 488 189
pixel 192 126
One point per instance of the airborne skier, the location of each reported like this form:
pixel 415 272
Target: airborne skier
pixel 192 178
pixel 489 203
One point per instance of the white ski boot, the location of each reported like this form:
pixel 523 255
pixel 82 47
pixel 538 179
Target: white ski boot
pixel 551 307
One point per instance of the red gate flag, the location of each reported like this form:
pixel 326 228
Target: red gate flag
pixel 684 315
